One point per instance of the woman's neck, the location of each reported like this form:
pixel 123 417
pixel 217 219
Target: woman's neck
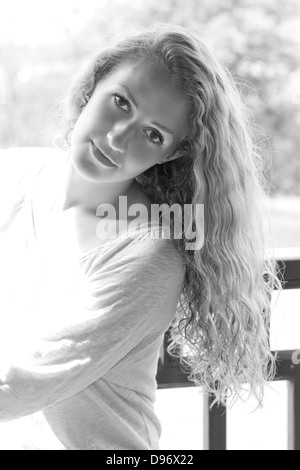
pixel 77 191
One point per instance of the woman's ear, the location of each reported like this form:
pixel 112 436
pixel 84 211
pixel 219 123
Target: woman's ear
pixel 169 158
pixel 181 150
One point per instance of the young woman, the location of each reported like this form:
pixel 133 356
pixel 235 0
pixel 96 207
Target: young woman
pixel 157 119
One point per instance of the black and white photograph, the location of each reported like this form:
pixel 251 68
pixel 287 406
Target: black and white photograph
pixel 150 227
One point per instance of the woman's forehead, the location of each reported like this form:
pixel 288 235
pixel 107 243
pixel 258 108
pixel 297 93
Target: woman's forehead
pixel 147 75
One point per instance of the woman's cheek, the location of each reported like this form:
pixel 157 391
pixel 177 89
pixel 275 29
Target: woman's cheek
pixel 105 120
pixel 144 161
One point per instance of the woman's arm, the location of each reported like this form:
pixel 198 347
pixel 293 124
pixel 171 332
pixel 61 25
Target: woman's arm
pixel 128 298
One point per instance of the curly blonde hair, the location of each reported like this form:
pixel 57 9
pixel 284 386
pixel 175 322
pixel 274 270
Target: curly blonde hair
pixel 221 328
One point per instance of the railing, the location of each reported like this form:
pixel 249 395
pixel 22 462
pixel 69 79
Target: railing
pixel 170 374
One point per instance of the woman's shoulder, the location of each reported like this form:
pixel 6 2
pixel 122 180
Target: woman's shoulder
pixel 144 248
pixel 140 240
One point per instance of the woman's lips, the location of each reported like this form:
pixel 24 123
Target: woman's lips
pixel 100 157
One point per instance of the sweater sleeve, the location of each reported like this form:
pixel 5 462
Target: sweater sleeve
pixel 124 298
pixel 18 168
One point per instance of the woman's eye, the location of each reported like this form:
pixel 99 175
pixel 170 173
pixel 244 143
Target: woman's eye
pixel 155 137
pixel 122 102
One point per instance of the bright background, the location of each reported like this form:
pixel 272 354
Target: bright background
pixel 42 43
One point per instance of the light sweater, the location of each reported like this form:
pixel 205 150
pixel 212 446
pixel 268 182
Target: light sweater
pixel 80 338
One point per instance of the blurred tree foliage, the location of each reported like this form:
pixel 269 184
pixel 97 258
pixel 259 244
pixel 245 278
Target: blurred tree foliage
pixel 258 40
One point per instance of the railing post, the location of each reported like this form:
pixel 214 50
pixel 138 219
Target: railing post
pixel 215 422
pixel 294 414
pixel 170 374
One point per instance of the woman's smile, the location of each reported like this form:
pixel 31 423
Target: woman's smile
pixel 100 157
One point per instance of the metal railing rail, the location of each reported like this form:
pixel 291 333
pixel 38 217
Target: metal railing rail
pixel 170 374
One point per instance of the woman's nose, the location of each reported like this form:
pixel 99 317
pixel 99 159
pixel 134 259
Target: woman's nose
pixel 118 138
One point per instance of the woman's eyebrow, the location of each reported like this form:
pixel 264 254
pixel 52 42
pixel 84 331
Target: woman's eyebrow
pixel 163 128
pixel 129 95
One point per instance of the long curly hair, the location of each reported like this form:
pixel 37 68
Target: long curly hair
pixel 221 329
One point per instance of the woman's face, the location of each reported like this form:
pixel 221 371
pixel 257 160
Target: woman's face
pixel 136 118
